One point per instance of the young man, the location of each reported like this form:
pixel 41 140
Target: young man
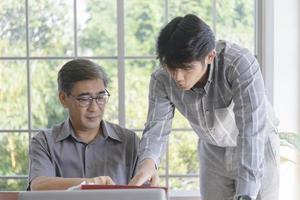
pixel 84 147
pixel 219 88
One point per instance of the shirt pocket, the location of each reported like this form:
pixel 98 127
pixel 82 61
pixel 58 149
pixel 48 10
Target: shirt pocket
pixel 225 131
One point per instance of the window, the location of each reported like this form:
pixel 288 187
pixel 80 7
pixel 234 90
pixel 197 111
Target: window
pixel 38 37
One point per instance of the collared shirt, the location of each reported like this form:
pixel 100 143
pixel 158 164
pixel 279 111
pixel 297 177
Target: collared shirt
pixel 231 110
pixel 57 152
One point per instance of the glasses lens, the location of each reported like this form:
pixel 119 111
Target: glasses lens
pixel 102 99
pixel 84 102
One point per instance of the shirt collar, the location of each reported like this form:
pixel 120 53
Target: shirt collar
pixel 211 69
pixel 67 130
pixel 210 76
pixel 108 131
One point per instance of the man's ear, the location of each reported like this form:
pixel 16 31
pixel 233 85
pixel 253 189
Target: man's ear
pixel 63 98
pixel 210 57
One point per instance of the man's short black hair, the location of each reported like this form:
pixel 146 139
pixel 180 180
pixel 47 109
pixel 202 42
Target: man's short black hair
pixel 79 70
pixel 183 40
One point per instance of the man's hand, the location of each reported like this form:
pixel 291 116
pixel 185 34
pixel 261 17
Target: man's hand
pixel 60 183
pixel 146 172
pixel 101 180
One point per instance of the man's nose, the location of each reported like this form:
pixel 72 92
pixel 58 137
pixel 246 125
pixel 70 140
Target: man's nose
pixel 178 75
pixel 93 105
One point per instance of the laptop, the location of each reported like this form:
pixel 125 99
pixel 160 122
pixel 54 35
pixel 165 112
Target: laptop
pixel 115 194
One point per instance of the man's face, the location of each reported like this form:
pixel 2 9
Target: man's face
pixel 83 115
pixel 188 76
pixel 191 73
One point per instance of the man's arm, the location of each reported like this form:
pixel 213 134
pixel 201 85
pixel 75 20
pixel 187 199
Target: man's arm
pixel 146 173
pixel 59 183
pixel 155 135
pixel 40 159
pixel 250 115
pixel 42 175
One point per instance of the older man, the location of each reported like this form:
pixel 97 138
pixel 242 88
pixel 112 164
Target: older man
pixel 84 147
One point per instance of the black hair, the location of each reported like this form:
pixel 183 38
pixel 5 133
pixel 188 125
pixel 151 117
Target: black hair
pixel 183 40
pixel 79 70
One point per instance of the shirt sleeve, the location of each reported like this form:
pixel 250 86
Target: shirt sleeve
pixel 250 115
pixel 159 121
pixel 39 158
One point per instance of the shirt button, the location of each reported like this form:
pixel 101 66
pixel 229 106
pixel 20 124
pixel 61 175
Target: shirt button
pixel 207 112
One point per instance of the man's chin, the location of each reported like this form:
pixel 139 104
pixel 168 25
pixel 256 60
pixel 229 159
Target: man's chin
pixel 92 122
pixel 183 88
pixel 91 126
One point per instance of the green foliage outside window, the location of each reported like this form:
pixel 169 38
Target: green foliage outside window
pixel 51 33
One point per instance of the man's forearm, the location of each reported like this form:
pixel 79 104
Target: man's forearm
pixel 146 171
pixel 54 183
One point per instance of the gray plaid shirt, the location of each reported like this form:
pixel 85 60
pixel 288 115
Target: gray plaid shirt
pixel 231 110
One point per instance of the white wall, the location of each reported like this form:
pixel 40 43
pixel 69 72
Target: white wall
pixel 286 90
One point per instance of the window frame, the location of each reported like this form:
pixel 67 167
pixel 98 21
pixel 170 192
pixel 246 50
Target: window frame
pixel 262 19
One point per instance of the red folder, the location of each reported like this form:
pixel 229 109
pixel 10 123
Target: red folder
pixel 109 187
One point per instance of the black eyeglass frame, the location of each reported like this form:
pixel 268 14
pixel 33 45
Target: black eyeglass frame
pixel 85 102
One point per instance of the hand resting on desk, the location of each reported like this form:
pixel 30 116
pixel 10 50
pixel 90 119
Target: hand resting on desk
pixel 59 183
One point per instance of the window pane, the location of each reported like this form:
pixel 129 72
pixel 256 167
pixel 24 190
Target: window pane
pixel 202 9
pixel 13 95
pixel 143 20
pixel 97 28
pixel 12 28
pixel 162 167
pixel 137 77
pixel 112 108
pixel 51 28
pixel 45 105
pixel 185 183
pixel 162 182
pixel 13 184
pixel 180 121
pixel 14 153
pixel 183 156
pixel 139 133
pixel 235 22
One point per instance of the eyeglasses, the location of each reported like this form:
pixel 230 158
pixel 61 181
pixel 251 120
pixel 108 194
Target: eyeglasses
pixel 101 99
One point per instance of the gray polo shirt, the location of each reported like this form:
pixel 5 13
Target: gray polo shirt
pixel 57 152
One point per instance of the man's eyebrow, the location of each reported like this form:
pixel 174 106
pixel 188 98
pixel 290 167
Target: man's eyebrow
pixel 102 92
pixel 84 94
pixel 89 94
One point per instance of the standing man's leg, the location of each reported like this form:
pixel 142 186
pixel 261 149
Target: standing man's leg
pixel 218 169
pixel 270 183
pixel 215 182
